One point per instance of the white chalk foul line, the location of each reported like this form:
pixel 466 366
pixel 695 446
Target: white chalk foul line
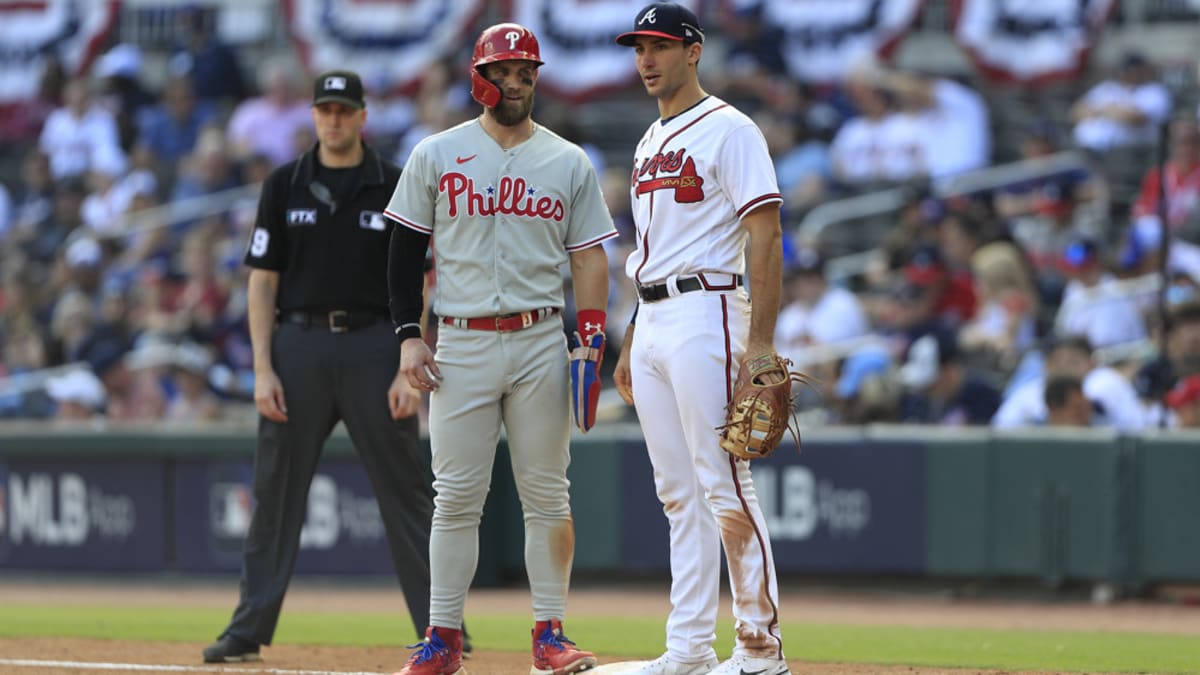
pixel 237 668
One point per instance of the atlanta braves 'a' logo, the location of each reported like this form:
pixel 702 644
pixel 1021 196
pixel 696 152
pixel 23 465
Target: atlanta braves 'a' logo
pixel 513 196
pixel 687 184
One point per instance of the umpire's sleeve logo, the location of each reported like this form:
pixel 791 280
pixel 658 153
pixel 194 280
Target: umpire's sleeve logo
pixel 372 220
pixel 301 217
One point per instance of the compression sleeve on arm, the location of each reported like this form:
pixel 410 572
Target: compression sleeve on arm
pixel 406 280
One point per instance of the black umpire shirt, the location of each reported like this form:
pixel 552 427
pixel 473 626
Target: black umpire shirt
pixel 324 231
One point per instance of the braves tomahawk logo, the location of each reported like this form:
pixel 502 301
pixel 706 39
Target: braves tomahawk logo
pixel 687 184
pixel 513 196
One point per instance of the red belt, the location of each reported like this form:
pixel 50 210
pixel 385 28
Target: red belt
pixel 505 323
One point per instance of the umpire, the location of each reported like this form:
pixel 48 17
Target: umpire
pixel 324 351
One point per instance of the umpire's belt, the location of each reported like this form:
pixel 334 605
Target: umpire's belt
pixel 709 281
pixel 505 323
pixel 337 320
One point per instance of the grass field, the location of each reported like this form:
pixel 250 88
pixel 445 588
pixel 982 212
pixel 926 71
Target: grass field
pixel 973 648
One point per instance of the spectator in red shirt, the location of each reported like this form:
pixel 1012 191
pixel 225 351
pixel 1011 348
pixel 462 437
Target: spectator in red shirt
pixel 951 291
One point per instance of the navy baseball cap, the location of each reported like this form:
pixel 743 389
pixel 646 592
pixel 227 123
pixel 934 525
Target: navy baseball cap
pixel 339 86
pixel 665 20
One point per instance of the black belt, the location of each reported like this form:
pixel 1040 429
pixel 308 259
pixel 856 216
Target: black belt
pixel 655 292
pixel 337 320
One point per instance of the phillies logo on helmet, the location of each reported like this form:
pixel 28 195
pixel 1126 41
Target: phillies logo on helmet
pixel 514 196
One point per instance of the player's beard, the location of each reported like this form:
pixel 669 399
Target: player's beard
pixel 511 113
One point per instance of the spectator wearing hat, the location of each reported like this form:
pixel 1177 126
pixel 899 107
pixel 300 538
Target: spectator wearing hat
pixel 1123 110
pixel 1093 303
pixel 950 291
pixel 1184 401
pixel 118 71
pixel 78 395
pixel 816 311
pixel 941 390
pixel 193 401
pixel 866 390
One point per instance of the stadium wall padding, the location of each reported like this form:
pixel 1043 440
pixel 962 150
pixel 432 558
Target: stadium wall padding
pixel 1048 506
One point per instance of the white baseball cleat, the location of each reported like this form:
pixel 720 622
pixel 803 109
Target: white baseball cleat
pixel 663 665
pixel 750 665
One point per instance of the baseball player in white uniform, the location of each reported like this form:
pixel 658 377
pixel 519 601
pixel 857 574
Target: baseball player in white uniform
pixel 703 185
pixel 509 203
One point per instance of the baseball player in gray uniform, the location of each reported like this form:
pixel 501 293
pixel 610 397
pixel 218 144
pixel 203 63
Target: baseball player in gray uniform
pixel 508 203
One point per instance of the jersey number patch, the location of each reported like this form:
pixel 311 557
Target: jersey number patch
pixel 258 242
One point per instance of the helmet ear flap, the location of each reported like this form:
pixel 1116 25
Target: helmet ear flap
pixel 484 91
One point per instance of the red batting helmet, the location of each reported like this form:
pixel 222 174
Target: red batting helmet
pixel 502 42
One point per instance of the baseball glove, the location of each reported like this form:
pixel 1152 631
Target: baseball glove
pixel 761 407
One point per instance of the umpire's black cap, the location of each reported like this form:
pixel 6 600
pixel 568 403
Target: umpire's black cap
pixel 665 20
pixel 339 86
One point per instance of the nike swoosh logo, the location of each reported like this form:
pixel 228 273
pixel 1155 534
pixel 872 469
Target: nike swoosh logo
pixel 464 160
pixel 757 672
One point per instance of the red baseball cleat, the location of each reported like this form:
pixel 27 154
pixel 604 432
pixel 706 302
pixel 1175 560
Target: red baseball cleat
pixel 554 654
pixel 439 654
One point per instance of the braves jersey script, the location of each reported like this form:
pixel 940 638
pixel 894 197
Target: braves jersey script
pixel 694 176
pixel 506 219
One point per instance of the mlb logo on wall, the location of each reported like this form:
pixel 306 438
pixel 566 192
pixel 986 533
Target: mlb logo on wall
pixel 372 220
pixel 230 508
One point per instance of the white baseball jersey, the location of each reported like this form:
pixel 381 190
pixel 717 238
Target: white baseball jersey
pixel 695 175
pixel 505 219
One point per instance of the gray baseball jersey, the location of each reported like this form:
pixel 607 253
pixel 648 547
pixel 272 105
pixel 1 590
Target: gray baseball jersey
pixel 503 221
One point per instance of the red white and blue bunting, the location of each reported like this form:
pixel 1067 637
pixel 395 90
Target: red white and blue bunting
pixel 392 41
pixel 823 39
pixel 30 30
pixel 576 38
pixel 1029 41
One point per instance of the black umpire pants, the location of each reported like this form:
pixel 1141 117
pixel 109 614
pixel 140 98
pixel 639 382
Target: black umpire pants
pixel 328 377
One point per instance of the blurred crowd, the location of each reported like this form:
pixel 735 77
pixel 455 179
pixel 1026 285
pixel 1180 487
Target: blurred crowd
pixel 1048 299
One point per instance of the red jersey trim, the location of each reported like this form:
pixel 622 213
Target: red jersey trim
pixel 592 242
pixel 408 223
pixel 759 201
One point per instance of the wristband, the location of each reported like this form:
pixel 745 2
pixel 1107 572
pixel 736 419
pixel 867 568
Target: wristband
pixel 408 330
